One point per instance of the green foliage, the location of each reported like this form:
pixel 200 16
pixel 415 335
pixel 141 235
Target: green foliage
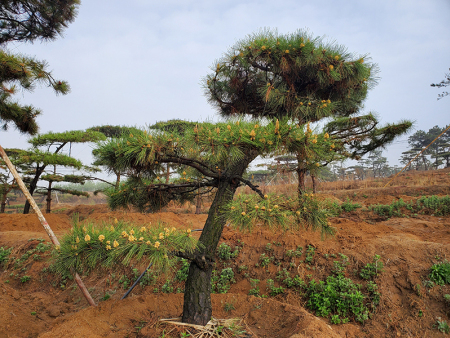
pixel 74 136
pixel 228 307
pixel 298 252
pixel 280 60
pixel 337 296
pixel 264 260
pixel 27 20
pixel 430 205
pixel 273 290
pixel 254 291
pixel 278 213
pixel 440 273
pixel 340 266
pixel 25 72
pixel 182 273
pixel 4 255
pixel 372 270
pixel 222 283
pixel 25 279
pixel 224 252
pixel 348 206
pixel 442 326
pixel 167 287
pixel 310 252
pixel 86 247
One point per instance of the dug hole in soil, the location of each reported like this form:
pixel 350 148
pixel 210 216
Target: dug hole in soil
pixel 45 306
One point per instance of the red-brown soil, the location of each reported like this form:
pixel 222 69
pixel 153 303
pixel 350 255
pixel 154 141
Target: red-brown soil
pixel 41 307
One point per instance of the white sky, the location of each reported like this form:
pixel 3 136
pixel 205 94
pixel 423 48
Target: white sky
pixel 139 62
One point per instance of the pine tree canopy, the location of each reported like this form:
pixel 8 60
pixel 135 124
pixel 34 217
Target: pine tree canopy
pixel 44 158
pixel 173 125
pixel 78 136
pixel 19 72
pixel 29 20
pixel 209 150
pixel 113 131
pixel 272 75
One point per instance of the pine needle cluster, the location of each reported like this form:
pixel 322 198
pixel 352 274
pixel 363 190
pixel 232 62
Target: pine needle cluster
pixel 269 74
pixel 90 245
pixel 278 212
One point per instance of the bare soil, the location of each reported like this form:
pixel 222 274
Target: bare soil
pixel 47 307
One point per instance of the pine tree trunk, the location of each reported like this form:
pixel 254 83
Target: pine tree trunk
pixel 3 207
pixel 49 198
pixel 117 179
pixel 301 173
pixel 197 308
pixel 314 183
pixel 33 185
pixel 198 207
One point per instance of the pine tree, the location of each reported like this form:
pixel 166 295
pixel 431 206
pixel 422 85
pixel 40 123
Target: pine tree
pixel 52 145
pixel 307 80
pixel 283 82
pixel 28 20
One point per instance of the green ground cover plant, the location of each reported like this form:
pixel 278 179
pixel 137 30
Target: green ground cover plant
pixel 440 273
pixel 428 205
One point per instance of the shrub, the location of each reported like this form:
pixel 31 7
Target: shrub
pixel 348 206
pixel 337 296
pixel 440 273
pixel 4 253
pixel 224 252
pixel 222 283
pixel 372 269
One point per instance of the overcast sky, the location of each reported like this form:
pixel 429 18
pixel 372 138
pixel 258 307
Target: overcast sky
pixel 141 61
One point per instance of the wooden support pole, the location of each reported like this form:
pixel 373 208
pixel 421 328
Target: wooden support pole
pixel 44 223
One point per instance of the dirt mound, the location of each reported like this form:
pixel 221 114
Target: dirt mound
pixel 410 305
pixel 139 316
pixel 30 222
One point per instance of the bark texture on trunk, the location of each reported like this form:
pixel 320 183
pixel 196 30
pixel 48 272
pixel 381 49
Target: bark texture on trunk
pixel 198 207
pixel 49 198
pixel 314 183
pixel 33 185
pixel 301 173
pixel 197 308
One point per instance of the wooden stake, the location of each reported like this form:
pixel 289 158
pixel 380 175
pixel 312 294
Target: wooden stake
pixel 44 223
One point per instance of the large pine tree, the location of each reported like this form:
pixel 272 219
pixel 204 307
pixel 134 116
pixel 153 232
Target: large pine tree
pixel 283 83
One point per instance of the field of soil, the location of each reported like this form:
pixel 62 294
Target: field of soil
pixel 37 303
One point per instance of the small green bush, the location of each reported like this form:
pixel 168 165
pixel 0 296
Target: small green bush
pixel 224 252
pixel 4 254
pixel 440 273
pixel 222 283
pixel 348 206
pixel 337 296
